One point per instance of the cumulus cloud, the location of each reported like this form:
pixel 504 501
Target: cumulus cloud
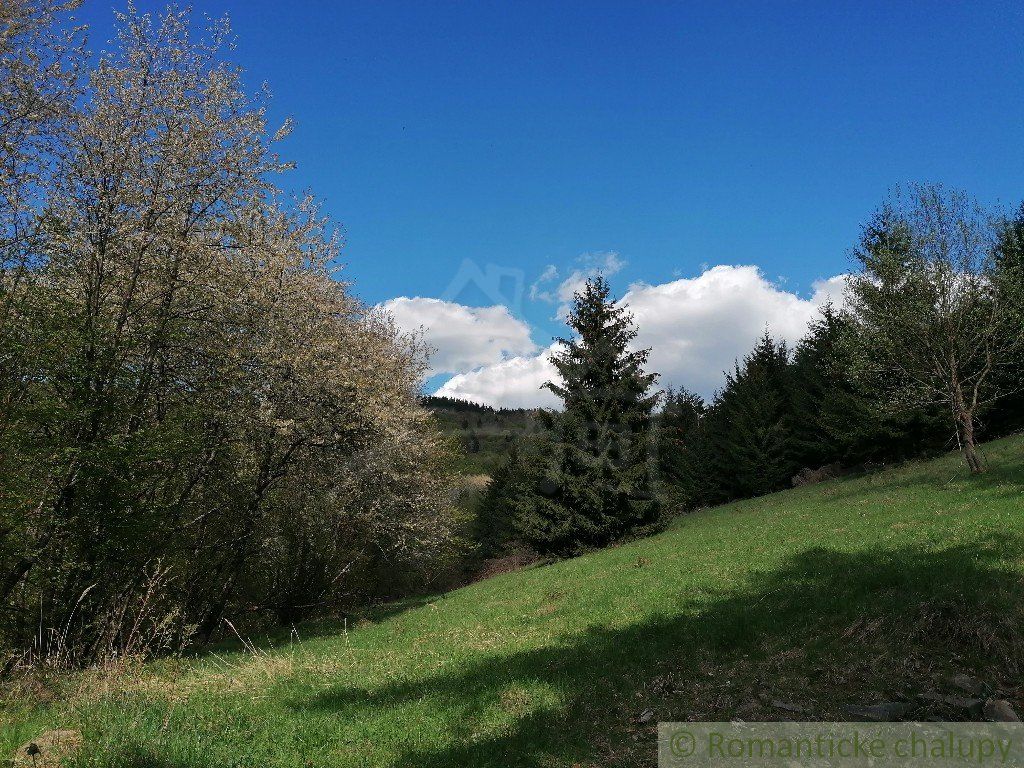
pixel 463 338
pixel 696 328
pixel 512 383
pixel 605 263
pixel 832 290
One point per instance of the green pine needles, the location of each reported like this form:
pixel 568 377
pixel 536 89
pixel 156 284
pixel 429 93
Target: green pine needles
pixel 590 481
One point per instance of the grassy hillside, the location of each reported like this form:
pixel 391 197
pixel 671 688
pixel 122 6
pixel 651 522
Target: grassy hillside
pixel 791 606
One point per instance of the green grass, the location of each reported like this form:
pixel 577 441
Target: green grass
pixel 848 592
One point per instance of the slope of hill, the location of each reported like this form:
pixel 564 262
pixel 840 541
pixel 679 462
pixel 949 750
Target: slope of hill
pixel 483 433
pixel 791 606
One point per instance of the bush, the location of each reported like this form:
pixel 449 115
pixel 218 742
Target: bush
pixel 189 390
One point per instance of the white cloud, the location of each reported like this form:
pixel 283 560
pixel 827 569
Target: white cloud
pixel 696 328
pixel 831 290
pixel 605 263
pixel 537 293
pixel 512 383
pixel 463 337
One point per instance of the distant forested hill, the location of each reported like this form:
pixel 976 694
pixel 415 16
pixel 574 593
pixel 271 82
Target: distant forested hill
pixel 484 433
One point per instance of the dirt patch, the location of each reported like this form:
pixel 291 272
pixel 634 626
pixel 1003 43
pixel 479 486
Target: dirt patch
pixel 49 749
pixel 476 481
pixel 496 566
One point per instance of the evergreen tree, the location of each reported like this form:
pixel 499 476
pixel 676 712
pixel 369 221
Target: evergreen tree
pixel 598 483
pixel 828 412
pixel 1006 414
pixel 939 321
pixel 508 495
pixel 751 425
pixel 842 416
pixel 683 450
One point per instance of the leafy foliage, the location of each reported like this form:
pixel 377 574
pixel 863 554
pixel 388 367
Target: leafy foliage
pixel 938 320
pixel 197 418
pixel 909 577
pixel 1007 413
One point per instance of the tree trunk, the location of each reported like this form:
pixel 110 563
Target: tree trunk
pixel 963 414
pixel 14 577
pixel 970 450
pixel 211 620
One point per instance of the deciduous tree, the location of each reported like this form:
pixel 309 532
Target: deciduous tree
pixel 937 319
pixel 199 418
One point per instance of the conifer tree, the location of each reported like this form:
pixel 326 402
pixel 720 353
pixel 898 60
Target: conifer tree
pixel 1007 413
pixel 939 320
pixel 597 486
pixel 752 424
pixel 683 458
pixel 506 505
pixel 836 418
pixel 842 416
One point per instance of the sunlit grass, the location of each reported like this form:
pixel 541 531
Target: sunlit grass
pixel 843 593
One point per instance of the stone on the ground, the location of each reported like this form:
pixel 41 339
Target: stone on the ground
pixel 1000 711
pixel 885 712
pixel 787 706
pixel 968 683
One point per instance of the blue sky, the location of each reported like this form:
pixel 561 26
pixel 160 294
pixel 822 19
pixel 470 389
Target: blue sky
pixel 677 136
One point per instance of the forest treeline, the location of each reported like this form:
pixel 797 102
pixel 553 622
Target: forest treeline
pixel 483 436
pixel 197 418
pixel 924 354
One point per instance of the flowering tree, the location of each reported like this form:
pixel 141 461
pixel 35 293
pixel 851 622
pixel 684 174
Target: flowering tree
pixel 200 416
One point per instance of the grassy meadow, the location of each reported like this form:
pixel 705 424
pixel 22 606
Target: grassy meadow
pixel 791 606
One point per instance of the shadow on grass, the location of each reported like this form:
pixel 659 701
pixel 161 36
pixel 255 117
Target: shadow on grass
pixel 940 606
pixel 824 629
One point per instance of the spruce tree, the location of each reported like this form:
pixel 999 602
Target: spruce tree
pixel 598 482
pixel 683 449
pixel 841 415
pixel 939 320
pixel 506 503
pixel 836 418
pixel 1006 414
pixel 751 424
